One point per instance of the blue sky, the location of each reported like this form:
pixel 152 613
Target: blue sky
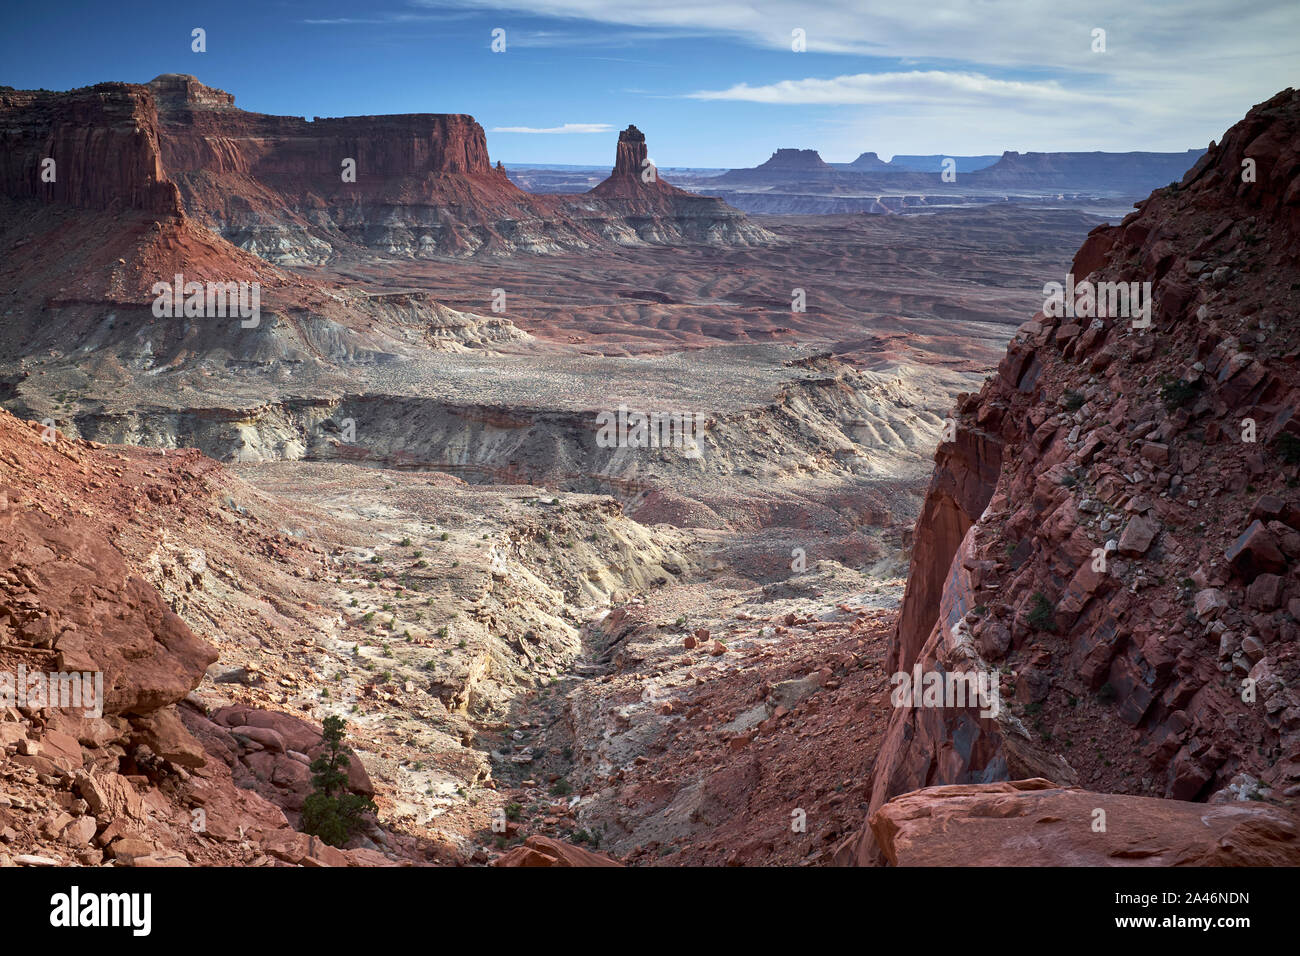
pixel 711 84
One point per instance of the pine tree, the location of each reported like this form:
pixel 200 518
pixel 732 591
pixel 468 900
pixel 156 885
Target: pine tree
pixel 331 811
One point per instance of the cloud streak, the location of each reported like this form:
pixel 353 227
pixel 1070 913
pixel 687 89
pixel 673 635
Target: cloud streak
pixel 566 128
pixel 917 85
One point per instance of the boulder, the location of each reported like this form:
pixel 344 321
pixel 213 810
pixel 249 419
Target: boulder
pixel 1255 552
pixel 1137 536
pixel 1036 823
pixel 543 851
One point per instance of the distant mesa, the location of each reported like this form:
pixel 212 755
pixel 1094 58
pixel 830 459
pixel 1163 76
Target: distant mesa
pixel 792 160
pixel 908 163
pixel 797 181
pixel 933 163
pixel 870 163
pixel 1155 168
pixel 783 166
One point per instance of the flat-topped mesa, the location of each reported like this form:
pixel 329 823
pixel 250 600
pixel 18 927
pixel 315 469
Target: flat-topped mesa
pixel 870 162
pixel 796 159
pixel 103 142
pixel 1135 171
pixel 785 166
pixel 202 131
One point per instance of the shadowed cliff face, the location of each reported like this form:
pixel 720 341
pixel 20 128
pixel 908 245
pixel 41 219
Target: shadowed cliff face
pixel 966 471
pixel 103 141
pixel 1167 667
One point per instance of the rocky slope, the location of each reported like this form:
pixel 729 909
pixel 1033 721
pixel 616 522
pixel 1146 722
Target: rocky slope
pixel 414 607
pixel 1114 532
pixel 149 777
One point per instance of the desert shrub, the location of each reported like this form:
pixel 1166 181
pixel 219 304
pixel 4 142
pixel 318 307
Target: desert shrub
pixel 1288 448
pixel 1178 393
pixel 1042 615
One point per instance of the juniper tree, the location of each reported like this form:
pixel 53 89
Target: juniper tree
pixel 331 811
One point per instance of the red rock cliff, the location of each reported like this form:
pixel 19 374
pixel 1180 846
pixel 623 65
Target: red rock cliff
pixel 1169 668
pixel 103 140
pixel 627 181
pixel 279 187
pixel 204 132
pixel 631 152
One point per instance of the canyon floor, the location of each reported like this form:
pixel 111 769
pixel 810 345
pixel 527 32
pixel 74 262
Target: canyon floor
pixel 667 657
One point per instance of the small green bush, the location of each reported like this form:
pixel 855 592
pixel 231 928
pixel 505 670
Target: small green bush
pixel 1178 393
pixel 1042 615
pixel 1288 448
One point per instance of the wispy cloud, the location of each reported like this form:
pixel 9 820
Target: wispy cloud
pixel 602 39
pixel 917 85
pixel 1217 54
pixel 566 128
pixel 983 73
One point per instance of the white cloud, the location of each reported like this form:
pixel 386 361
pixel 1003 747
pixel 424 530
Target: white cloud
pixel 928 86
pixel 1006 32
pixel 566 128
pixel 1211 59
pixel 986 74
